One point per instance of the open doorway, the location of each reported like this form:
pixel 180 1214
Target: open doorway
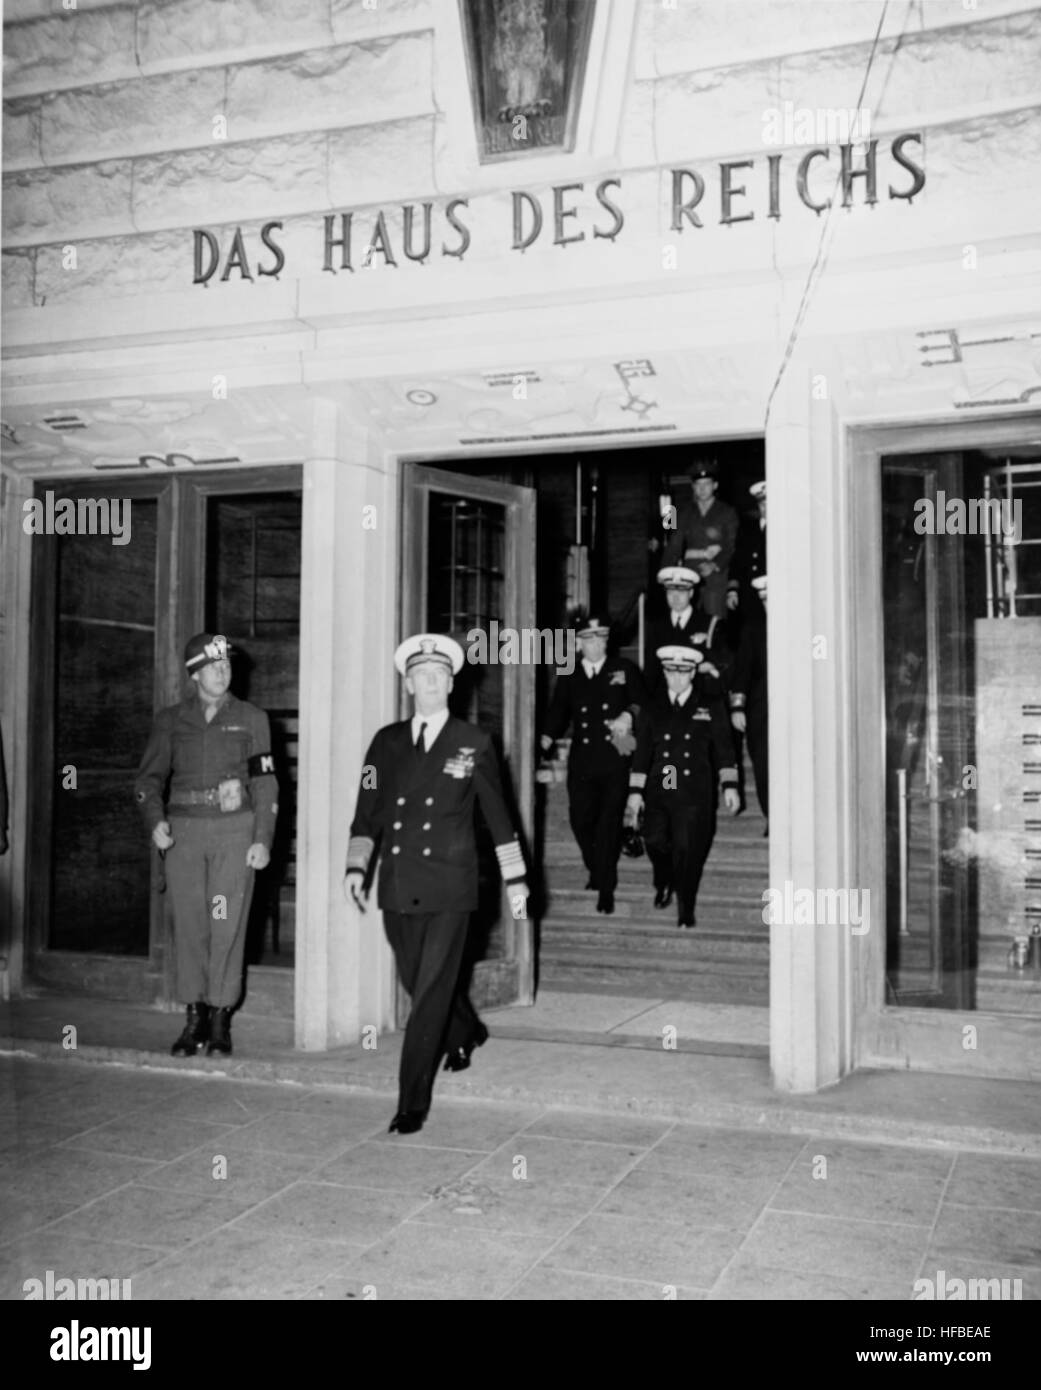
pixel 600 545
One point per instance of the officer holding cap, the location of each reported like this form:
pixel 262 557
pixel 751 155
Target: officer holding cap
pixel 420 784
pixel 599 701
pixel 209 760
pixel 683 748
pixel 705 535
pixel 685 624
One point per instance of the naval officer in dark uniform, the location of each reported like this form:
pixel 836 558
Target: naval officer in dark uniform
pixel 215 829
pixel 685 625
pixel 420 784
pixel 684 751
pixel 749 560
pixel 748 688
pixel 599 701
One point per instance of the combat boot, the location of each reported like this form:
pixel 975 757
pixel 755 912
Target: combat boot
pixel 220 1033
pixel 196 1031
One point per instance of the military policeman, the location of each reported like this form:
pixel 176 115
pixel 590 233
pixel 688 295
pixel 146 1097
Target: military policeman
pixel 748 688
pixel 704 539
pixel 421 781
pixel 215 829
pixel 683 749
pixel 599 701
pixel 685 624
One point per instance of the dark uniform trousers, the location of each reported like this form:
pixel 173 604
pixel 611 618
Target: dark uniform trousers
pixel 597 775
pixel 417 812
pixel 680 752
pixel 749 693
pixel 208 880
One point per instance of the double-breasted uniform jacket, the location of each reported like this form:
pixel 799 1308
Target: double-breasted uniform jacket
pixel 681 750
pixel 749 561
pixel 586 705
pixel 706 635
pixel 416 811
pixel 196 756
pixel 748 672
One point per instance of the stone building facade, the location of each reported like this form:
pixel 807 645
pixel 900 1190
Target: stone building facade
pixel 259 234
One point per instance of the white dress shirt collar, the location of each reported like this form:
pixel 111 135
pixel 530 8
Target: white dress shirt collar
pixel 592 670
pixel 434 722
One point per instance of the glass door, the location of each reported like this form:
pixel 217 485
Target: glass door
pixel 468 568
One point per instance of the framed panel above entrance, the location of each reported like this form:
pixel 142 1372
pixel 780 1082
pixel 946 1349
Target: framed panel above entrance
pixel 946 723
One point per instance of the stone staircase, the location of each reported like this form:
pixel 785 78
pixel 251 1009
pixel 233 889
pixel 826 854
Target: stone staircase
pixel 641 951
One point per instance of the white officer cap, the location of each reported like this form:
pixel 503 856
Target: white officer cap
pixel 758 490
pixel 678 577
pixel 428 646
pixel 679 658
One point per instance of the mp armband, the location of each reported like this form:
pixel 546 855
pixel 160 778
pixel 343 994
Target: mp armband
pixel 260 764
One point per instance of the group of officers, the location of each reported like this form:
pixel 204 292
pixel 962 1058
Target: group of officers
pixel 654 745
pixel 655 750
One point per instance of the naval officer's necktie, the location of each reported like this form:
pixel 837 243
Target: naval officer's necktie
pixel 421 743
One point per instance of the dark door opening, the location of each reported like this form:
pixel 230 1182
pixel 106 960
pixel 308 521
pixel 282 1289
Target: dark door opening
pixel 600 546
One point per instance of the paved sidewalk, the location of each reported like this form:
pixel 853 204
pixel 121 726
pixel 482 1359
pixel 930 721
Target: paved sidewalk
pixel 549 1170
pixel 211 1188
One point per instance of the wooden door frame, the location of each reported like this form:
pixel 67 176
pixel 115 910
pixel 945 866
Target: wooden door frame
pixel 417 481
pixel 888 1035
pixel 180 595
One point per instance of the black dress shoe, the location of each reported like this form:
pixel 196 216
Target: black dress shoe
pixel 407 1122
pixel 663 897
pixel 459 1060
pixel 605 902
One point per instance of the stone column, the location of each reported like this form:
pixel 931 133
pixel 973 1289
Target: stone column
pixel 344 979
pixel 809 610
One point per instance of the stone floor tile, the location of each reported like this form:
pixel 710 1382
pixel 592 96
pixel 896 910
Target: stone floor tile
pixel 837 1247
pixel 244 1264
pixel 865 1196
pixel 296 1132
pixel 745 1279
pixel 339 1287
pixel 149 1134
pixel 571 1161
pixel 654 1252
pixel 229 1102
pixel 991 1180
pixel 323 1211
pixel 70 1257
pixel 469 1125
pixel 986 1233
pixel 560 1285
pixel 29 1138
pixel 505 1204
pixel 248 1177
pixel 150 1216
pixel 467 1264
pixel 405 1169
pixel 875 1160
pixel 697 1199
pixel 737 1152
pixel 599 1128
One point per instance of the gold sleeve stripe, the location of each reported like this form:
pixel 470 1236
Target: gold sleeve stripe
pixel 511 861
pixel 359 852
